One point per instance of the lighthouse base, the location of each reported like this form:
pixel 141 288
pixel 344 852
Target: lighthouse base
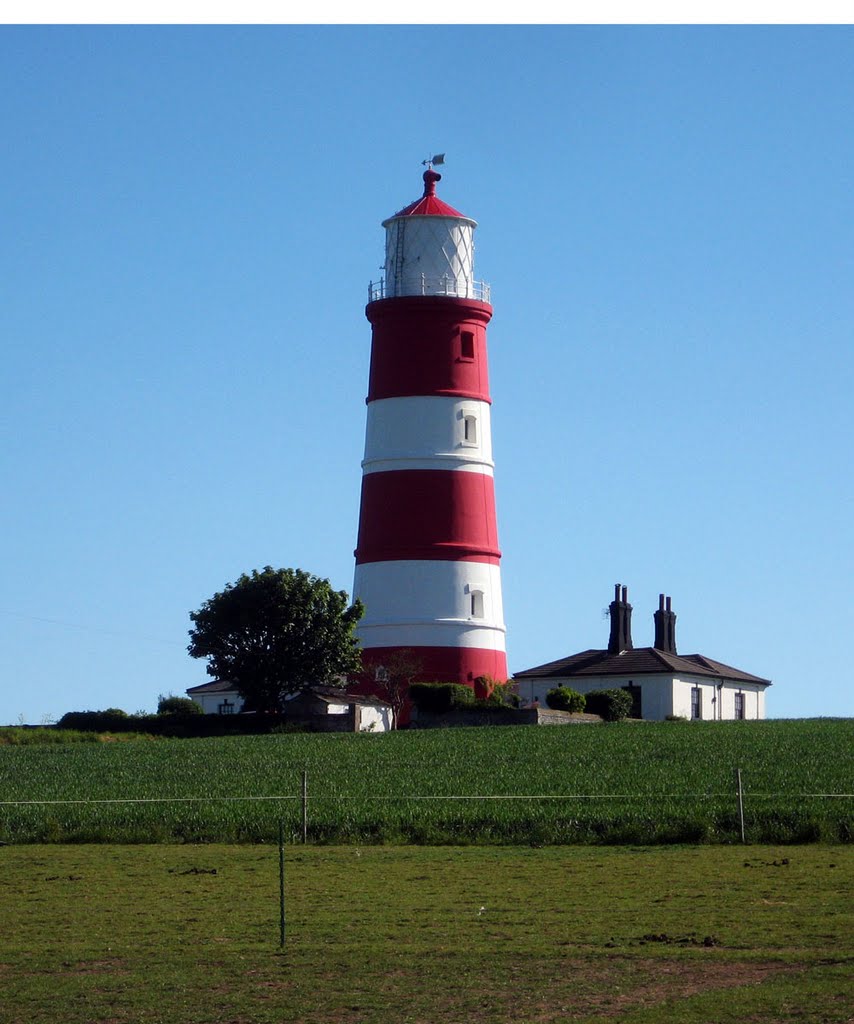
pixel 463 665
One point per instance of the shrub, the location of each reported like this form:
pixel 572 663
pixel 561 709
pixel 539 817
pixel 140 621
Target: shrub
pixel 497 691
pixel 177 706
pixel 25 736
pixel 441 698
pixel 111 720
pixel 675 718
pixel 612 705
pixel 562 698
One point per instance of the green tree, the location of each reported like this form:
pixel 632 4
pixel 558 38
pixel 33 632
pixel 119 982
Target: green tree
pixel 400 668
pixel 275 631
pixel 172 705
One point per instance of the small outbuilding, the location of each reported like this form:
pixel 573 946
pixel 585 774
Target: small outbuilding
pixel 331 710
pixel 325 708
pixel 661 682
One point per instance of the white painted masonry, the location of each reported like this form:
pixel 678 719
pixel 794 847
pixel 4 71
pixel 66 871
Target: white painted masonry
pixel 378 719
pixel 427 432
pixel 429 604
pixel 662 695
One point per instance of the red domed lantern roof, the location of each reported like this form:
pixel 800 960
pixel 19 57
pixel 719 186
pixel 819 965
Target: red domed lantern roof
pixel 429 205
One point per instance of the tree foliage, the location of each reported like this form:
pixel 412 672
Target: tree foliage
pixel 563 698
pixel 440 698
pixel 612 705
pixel 501 692
pixel 275 631
pixel 400 668
pixel 172 705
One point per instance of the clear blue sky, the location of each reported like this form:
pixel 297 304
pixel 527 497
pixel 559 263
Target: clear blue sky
pixel 190 217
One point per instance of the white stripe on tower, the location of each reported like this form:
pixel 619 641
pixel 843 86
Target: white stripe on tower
pixel 427 555
pixel 428 432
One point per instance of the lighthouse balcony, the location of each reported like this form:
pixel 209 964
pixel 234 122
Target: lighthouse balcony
pixel 425 284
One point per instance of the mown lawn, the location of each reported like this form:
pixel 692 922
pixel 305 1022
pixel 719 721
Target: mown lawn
pixel 622 783
pixel 426 935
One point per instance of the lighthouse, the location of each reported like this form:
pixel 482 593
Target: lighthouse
pixel 427 555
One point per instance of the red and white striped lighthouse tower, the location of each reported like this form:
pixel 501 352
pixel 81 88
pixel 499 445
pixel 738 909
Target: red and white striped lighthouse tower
pixel 427 560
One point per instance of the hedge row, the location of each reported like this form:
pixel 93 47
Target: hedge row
pixel 173 725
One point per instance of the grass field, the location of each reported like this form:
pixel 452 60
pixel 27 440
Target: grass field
pixel 624 783
pixel 661 935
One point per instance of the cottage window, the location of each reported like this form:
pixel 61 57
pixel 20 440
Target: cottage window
pixel 226 707
pixel 739 705
pixel 381 674
pixel 696 702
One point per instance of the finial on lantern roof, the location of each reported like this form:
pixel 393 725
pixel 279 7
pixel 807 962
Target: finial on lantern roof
pixel 430 176
pixel 428 203
pixel 430 179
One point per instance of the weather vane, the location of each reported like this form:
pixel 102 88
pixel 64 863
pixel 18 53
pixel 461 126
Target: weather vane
pixel 439 158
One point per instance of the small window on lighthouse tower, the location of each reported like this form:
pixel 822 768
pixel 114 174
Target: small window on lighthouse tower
pixel 466 345
pixel 470 429
pixel 476 604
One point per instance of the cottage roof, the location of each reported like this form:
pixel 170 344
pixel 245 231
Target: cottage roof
pixel 333 695
pixel 637 661
pixel 216 686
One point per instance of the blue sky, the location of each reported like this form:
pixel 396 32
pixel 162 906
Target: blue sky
pixel 190 220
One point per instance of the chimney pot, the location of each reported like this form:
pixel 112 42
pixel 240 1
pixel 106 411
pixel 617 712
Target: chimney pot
pixel 661 602
pixel 621 621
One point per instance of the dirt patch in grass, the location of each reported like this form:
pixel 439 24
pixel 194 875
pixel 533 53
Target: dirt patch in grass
pixel 603 988
pixel 676 979
pixel 108 966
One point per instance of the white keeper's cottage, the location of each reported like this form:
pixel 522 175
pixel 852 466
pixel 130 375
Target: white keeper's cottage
pixel 660 681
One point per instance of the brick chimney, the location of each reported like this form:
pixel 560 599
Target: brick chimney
pixel 621 621
pixel 665 626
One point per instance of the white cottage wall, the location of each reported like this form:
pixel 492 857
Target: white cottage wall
pixel 754 700
pixel 376 719
pixel 656 691
pixel 662 695
pixel 681 702
pixel 211 703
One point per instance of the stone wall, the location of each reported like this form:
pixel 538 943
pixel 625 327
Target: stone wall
pixel 500 716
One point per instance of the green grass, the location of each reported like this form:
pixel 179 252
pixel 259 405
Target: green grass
pixel 25 736
pixel 662 935
pixel 625 783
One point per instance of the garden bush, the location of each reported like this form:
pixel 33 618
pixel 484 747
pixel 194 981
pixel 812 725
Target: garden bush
pixel 111 720
pixel 439 698
pixel 562 698
pixel 178 706
pixel 612 705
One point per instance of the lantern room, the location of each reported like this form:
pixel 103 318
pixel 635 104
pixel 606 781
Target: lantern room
pixel 429 250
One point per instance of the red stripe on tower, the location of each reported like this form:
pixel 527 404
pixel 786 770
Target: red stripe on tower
pixel 427 554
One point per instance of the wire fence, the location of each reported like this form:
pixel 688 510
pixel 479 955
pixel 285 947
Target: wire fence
pixel 664 816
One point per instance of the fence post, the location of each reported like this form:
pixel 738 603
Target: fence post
pixel 281 883
pixel 304 806
pixel 740 803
